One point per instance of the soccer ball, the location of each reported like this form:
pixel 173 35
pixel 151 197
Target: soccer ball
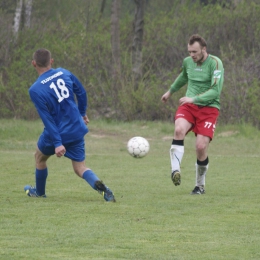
pixel 138 147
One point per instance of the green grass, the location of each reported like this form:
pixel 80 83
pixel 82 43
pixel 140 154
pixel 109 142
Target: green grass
pixel 152 219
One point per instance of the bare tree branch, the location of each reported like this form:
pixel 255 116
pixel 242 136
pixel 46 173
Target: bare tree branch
pixel 17 17
pixel 115 38
pixel 138 39
pixel 28 12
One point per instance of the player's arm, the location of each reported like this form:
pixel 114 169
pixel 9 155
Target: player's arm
pixel 47 119
pixel 180 81
pixel 81 95
pixel 215 89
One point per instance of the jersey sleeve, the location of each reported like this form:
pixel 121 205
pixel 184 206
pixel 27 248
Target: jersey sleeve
pixel 46 117
pixel 81 95
pixel 180 81
pixel 213 93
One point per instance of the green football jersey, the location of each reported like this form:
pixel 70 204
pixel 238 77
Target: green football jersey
pixel 204 81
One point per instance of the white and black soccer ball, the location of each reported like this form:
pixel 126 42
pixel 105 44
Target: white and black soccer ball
pixel 138 147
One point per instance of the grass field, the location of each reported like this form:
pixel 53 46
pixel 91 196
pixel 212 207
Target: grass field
pixel 152 219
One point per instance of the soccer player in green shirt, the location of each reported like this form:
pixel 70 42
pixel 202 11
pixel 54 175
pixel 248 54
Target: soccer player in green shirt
pixel 198 110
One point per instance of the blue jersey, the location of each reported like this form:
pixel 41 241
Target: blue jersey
pixel 53 95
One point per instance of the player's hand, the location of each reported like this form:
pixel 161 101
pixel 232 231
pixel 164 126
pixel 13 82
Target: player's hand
pixel 85 119
pixel 165 97
pixel 185 100
pixel 60 151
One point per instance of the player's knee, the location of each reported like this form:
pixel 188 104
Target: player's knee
pixel 179 132
pixel 79 169
pixel 38 157
pixel 201 147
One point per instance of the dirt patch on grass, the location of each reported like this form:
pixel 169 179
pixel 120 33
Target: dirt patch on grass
pixel 97 136
pixel 228 133
pixel 165 138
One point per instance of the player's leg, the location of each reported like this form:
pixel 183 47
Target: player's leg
pixel 202 164
pixel 204 129
pixel 92 179
pixel 43 151
pixel 76 152
pixel 85 173
pixel 41 171
pixel 182 126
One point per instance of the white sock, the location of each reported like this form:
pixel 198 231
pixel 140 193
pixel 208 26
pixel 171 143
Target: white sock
pixel 201 171
pixel 176 154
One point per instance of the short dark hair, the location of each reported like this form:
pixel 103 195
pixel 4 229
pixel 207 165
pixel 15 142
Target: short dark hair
pixel 42 57
pixel 199 39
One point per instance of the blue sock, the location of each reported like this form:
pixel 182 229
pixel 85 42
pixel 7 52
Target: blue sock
pixel 41 176
pixel 90 177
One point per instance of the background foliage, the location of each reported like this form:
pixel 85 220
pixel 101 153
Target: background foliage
pixel 79 38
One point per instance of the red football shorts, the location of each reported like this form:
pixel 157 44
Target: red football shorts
pixel 203 119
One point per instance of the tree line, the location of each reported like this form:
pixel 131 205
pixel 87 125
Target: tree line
pixel 127 53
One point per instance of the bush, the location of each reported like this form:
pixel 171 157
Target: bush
pixel 80 41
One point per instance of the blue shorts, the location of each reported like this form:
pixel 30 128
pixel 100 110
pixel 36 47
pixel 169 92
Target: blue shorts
pixel 74 150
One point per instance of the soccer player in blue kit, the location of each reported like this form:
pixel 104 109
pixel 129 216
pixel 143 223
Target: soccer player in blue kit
pixel 65 123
